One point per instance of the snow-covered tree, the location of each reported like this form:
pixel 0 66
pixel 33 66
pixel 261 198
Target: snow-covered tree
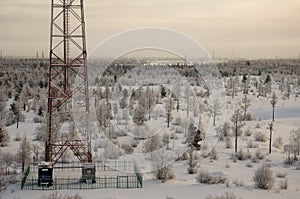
pixel 245 83
pixel 295 142
pixel 111 151
pixel 215 110
pixel 139 114
pixel 263 177
pixel 123 103
pixel 169 108
pixel 150 100
pixel 246 104
pixel 7 158
pixel 104 114
pixel 152 144
pixel 162 166
pixel 4 137
pixel 237 124
pixel 273 102
pixel 187 96
pixel 232 85
pixel 24 152
pixel 288 88
pixel 192 131
pixel 192 161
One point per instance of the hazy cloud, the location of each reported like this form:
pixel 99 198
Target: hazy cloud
pixel 256 28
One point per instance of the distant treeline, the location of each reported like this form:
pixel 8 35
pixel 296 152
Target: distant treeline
pixel 257 67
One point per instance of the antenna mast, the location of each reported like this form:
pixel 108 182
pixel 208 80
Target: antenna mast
pixel 68 61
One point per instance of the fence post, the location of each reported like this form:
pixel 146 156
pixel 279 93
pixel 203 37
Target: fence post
pixel 117 181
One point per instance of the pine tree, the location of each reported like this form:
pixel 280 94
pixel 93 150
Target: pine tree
pixel 268 79
pixel 192 129
pixel 163 92
pixel 198 137
pixel 273 102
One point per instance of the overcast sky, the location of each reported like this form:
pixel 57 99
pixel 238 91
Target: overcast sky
pixel 243 28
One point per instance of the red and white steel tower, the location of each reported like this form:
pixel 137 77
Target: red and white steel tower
pixel 68 61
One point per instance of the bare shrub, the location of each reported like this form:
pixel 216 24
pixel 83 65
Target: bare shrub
pixel 184 156
pixel 203 177
pixel 254 159
pixel 206 178
pixel 259 155
pixel 224 131
pixel 227 183
pixel 249 117
pixel 134 143
pixel 249 164
pixel 101 143
pixel 226 195
pixel 165 173
pixel 213 154
pixel 127 148
pixel 192 161
pixel 162 167
pixel 111 151
pixel 260 137
pixel 4 137
pixel 238 183
pixel 263 177
pixel 258 125
pixel 121 133
pixel 250 144
pixel 241 155
pixel 204 146
pixel 151 144
pixel 248 132
pixel 177 121
pixel 283 184
pixel 41 132
pixel 169 197
pixel 2 183
pixel 278 143
pixel 17 137
pixel 179 130
pixel 228 142
pixel 239 132
pixel 281 175
pixel 55 195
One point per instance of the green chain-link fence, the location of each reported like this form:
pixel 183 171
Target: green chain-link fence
pixel 120 174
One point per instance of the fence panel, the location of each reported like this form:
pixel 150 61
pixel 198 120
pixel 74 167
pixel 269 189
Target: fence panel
pixel 118 178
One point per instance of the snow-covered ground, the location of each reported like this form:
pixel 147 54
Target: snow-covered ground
pixel 287 117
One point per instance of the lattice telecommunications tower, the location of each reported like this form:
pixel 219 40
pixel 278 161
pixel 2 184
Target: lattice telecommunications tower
pixel 68 61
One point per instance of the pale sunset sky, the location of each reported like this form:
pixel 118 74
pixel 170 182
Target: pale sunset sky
pixel 239 28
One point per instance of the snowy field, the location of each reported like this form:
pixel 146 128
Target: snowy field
pixel 238 173
pixel 185 185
